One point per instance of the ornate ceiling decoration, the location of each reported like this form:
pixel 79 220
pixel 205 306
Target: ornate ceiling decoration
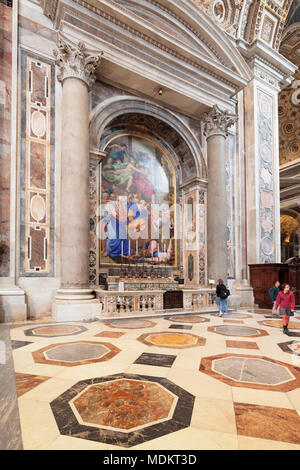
pixel 249 19
pixel 289 99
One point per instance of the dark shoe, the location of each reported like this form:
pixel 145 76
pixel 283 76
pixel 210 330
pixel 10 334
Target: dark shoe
pixel 285 330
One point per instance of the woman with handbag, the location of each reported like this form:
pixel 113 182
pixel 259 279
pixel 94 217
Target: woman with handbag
pixel 286 301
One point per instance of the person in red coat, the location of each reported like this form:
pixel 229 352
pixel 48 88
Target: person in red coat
pixel 286 301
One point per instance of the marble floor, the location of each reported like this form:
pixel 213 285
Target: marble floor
pixel 190 382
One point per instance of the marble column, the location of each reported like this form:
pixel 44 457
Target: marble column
pixel 216 125
pixel 76 68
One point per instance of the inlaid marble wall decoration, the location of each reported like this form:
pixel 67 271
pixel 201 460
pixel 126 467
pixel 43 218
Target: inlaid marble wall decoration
pixel 37 166
pixel 266 185
pixel 94 171
pixel 5 135
pixel 230 187
pixel 202 238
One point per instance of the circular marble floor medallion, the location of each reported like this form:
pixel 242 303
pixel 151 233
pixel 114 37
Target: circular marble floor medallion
pixel 123 409
pixel 252 372
pixel 172 340
pixel 233 330
pixel 75 353
pixel 130 323
pixel 51 331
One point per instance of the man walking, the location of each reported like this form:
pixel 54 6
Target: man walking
pixel 273 293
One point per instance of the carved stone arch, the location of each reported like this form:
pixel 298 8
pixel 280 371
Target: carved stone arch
pixel 110 109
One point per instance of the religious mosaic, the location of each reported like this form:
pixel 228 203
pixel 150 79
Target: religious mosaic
pixel 138 194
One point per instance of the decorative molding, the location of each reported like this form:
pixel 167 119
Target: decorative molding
pixel 49 8
pixel 75 62
pixel 217 122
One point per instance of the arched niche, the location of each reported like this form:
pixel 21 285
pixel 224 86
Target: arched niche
pixel 143 115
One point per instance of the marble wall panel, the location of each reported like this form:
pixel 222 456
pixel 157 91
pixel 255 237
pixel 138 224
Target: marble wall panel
pixel 37 166
pixel 266 178
pixel 5 135
pixel 93 254
pixel 230 186
pixel 202 238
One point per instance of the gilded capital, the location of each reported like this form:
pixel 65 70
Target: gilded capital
pixel 217 122
pixel 75 61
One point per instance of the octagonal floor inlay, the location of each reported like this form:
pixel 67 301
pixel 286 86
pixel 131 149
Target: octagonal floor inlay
pixel 55 330
pixel 252 371
pixel 124 404
pixel 246 369
pixel 233 330
pixel 278 324
pixel 130 323
pixel 234 315
pixel 187 319
pixel 123 409
pixel 291 347
pixel 172 340
pixel 75 353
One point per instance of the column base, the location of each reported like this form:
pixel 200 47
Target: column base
pixel 79 310
pixel 246 295
pixel 13 306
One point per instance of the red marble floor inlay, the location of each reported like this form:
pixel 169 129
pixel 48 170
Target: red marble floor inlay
pixel 26 382
pixel 110 334
pixel 124 404
pixel 267 422
pixel 241 344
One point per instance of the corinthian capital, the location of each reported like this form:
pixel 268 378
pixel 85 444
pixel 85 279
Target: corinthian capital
pixel 217 122
pixel 75 61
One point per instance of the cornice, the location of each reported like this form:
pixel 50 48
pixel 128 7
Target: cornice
pixel 159 45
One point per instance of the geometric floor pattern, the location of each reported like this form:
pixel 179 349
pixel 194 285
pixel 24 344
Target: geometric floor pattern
pixel 139 384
